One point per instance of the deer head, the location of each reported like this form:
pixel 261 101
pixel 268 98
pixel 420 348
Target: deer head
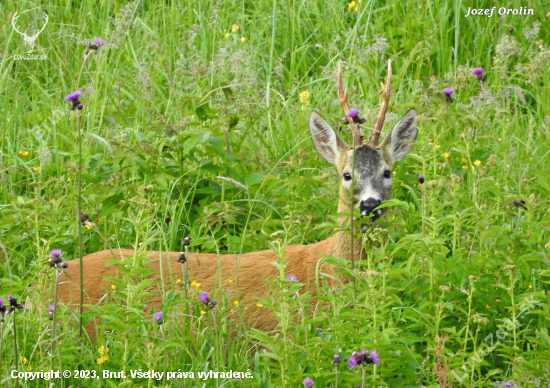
pixel 29 40
pixel 367 166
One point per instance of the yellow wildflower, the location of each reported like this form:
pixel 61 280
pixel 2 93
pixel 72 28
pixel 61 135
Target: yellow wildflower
pixel 477 162
pixel 25 361
pixel 52 200
pixel 231 281
pixel 234 27
pixel 395 172
pixel 464 160
pixel 197 285
pixel 68 180
pixel 464 167
pixel 487 307
pixel 113 287
pixel 437 147
pixel 243 39
pixel 304 99
pixel 259 305
pixel 193 283
pixel 88 225
pixel 227 35
pixel 24 153
pixel 36 169
pixel 446 154
pixel 103 349
pixel 178 281
pixel 393 217
pixel 530 286
pixel 203 312
pixel 351 4
pixel 498 300
pixel 236 303
pixel 439 167
pixel 103 359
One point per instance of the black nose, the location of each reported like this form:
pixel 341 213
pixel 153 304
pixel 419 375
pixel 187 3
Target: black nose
pixel 366 207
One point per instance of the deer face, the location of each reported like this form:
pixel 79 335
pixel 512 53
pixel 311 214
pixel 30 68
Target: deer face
pixel 370 170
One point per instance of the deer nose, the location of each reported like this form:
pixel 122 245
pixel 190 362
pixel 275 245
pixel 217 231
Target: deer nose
pixel 366 207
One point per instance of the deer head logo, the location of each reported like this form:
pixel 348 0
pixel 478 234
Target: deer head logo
pixel 29 40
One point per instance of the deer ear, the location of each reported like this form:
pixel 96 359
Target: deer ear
pixel 327 143
pixel 400 141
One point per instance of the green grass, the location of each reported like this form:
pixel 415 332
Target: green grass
pixel 160 97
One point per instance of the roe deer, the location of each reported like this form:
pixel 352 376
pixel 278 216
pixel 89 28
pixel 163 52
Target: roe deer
pixel 371 168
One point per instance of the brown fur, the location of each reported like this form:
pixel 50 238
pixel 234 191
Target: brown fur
pixel 255 268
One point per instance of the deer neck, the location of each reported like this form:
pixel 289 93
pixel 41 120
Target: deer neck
pixel 345 245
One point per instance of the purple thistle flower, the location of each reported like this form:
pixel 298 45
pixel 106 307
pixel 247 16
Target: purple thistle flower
pixel 375 358
pixel 354 115
pixel 477 71
pixel 507 384
pixel 96 44
pixel 447 92
pixel 421 179
pixel 204 297
pixel 353 112
pixel 13 304
pixel 56 253
pixel 73 96
pixel 352 361
pixel 308 382
pixel 182 258
pixel 158 317
pixel 292 278
pixel 335 360
pixel 50 311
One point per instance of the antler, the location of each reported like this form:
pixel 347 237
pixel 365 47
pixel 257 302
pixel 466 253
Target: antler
pixel 343 98
pixel 44 26
pixel 13 19
pixel 385 91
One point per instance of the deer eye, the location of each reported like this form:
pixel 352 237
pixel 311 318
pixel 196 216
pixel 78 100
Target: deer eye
pixel 387 173
pixel 347 176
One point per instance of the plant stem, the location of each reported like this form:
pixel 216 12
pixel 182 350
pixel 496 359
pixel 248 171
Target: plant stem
pixel 362 376
pixel 164 359
pixel 54 324
pixel 15 341
pixel 79 218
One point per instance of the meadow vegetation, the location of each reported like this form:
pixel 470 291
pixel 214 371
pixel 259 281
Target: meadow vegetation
pixel 455 288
